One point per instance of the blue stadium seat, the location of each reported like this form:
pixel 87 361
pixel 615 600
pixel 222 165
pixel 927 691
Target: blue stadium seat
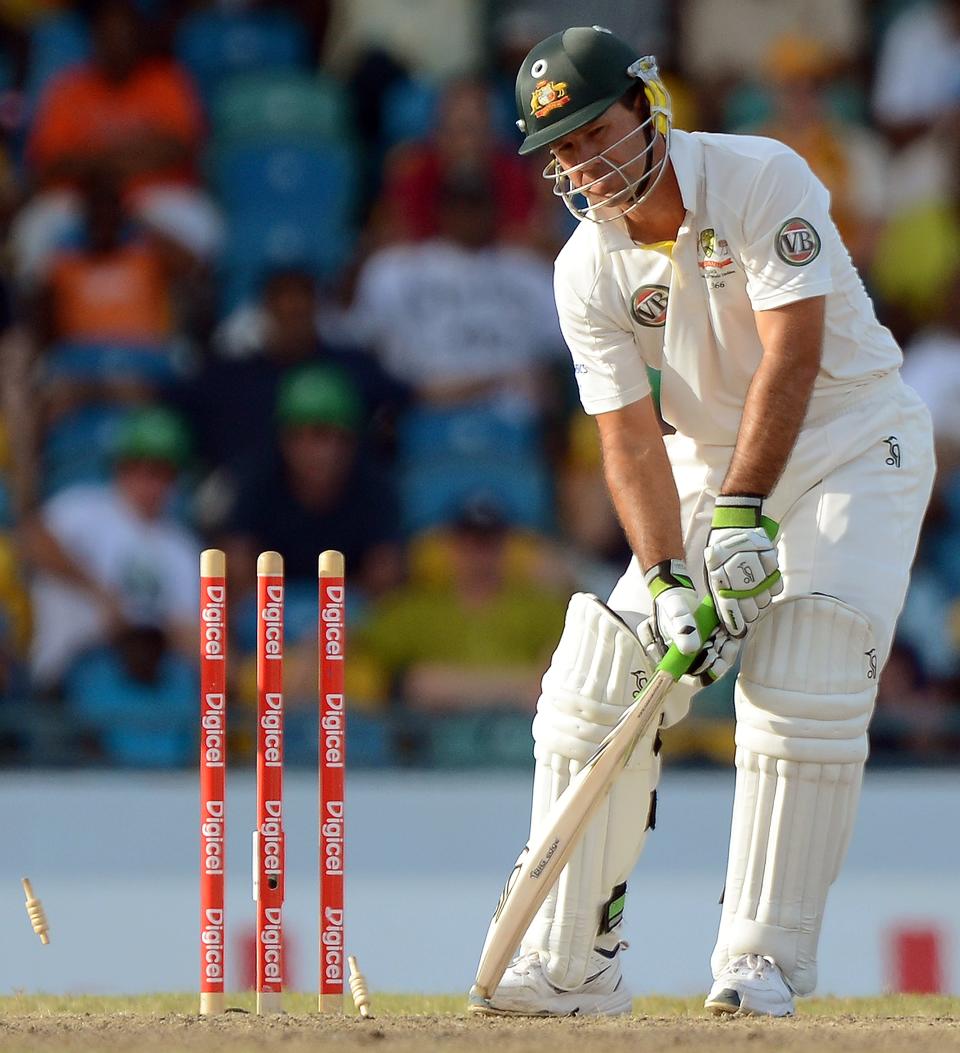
pixel 409 110
pixel 57 42
pixel 282 106
pixel 448 455
pixel 150 363
pixel 139 725
pixel 285 205
pixel 215 44
pixel 78 447
pixel 6 506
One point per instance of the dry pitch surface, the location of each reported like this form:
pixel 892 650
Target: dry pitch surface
pixel 405 1024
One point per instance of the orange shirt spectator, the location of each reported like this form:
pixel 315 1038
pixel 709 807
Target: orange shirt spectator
pixel 125 116
pixel 115 289
pixel 85 115
pixel 122 296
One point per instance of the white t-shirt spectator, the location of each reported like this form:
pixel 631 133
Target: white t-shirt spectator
pixel 438 313
pixel 149 565
pixel 918 74
pixel 735 36
pixel 931 366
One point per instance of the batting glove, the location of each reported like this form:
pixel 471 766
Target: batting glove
pixel 717 656
pixel 741 565
pixel 674 605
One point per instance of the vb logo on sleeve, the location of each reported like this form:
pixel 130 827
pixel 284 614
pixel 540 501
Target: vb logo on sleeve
pixel 797 242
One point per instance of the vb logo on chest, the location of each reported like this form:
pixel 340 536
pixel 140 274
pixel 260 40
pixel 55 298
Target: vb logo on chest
pixel 648 305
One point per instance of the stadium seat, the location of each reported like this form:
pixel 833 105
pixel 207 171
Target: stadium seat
pixel 139 725
pixel 409 110
pixel 216 44
pixel 148 363
pixel 463 741
pixel 284 106
pixel 285 206
pixel 78 447
pixel 57 42
pixel 447 455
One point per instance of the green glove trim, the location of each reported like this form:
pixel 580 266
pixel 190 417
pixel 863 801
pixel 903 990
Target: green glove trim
pixel 727 518
pixel 667 575
pixel 770 527
pixel 659 585
pixel 746 594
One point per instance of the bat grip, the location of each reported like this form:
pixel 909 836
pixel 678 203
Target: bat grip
pixel 674 661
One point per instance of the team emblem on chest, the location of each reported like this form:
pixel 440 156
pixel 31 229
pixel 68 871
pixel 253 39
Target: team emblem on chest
pixel 797 242
pixel 648 305
pixel 713 255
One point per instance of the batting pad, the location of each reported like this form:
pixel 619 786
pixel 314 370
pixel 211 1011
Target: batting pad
pixel 804 699
pixel 596 669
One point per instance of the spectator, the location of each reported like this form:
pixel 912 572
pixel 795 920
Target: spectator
pixel 113 289
pixel 464 148
pixel 15 615
pixel 318 490
pixel 918 70
pixel 931 366
pixel 111 557
pixel 138 699
pixel 911 718
pixel 461 317
pixel 254 349
pixel 103 313
pixel 849 160
pixel 130 116
pixel 479 640
pixel 732 39
pixel 592 536
pixel 923 226
pixel 439 37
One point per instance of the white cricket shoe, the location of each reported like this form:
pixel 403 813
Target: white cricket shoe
pixel 750 985
pixel 525 991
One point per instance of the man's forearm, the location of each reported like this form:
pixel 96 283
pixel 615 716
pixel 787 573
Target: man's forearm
pixel 645 499
pixel 777 399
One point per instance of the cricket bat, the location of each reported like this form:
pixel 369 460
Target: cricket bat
pixel 546 853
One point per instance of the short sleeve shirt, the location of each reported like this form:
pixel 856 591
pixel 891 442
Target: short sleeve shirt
pixel 757 235
pixel 82 113
pixel 151 565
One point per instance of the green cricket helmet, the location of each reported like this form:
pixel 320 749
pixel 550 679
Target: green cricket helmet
pixel 570 79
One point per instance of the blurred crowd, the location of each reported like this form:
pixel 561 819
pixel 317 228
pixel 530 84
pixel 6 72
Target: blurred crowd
pixel 275 278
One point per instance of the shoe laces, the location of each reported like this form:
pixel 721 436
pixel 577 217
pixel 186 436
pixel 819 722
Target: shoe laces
pixel 752 966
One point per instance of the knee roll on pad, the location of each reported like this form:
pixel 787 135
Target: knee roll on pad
pixel 804 700
pixel 593 676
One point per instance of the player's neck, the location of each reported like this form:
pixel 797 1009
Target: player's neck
pixel 660 217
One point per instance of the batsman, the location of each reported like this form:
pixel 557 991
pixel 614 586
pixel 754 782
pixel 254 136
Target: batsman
pixel 713 260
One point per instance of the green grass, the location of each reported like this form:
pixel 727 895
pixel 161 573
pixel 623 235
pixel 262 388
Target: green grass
pixel 387 1005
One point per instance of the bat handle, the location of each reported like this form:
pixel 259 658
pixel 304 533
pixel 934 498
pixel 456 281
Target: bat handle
pixel 674 661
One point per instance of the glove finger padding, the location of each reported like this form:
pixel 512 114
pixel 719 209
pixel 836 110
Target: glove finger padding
pixel 717 658
pixel 675 603
pixel 741 564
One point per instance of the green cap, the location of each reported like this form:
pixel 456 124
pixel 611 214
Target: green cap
pixel 153 434
pixel 568 80
pixel 318 395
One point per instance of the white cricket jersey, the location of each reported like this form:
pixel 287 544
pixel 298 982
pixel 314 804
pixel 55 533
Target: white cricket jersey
pixel 757 235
